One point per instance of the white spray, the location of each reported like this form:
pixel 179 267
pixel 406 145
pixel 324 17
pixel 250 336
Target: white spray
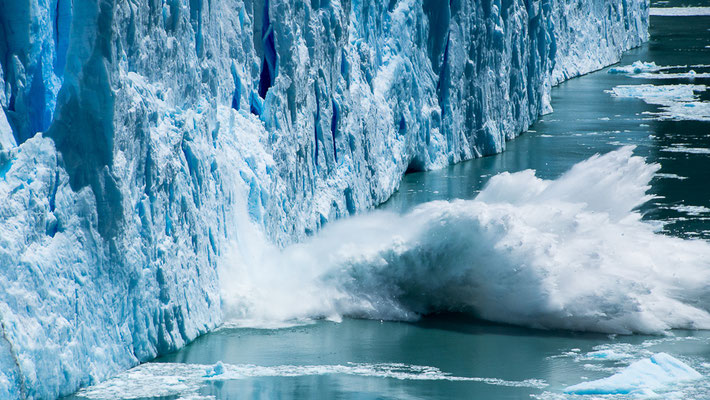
pixel 569 253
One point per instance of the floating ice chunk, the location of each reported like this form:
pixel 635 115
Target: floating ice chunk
pixel 653 94
pixel 641 377
pixel 676 148
pixel 677 102
pixel 214 370
pixel 676 75
pixel 686 111
pixel 649 70
pixel 679 11
pixel 636 68
pixel 606 352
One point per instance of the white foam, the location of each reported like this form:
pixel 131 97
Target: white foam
pixel 568 253
pixel 679 11
pixel 642 377
pixel 185 380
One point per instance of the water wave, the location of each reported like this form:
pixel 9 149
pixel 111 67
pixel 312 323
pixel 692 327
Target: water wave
pixel 571 253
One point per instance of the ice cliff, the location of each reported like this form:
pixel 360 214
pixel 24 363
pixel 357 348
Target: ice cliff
pixel 137 136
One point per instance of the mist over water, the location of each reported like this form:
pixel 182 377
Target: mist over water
pixel 569 253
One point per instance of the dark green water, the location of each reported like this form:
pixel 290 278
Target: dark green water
pixel 586 121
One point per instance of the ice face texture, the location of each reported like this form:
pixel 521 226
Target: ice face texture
pixel 165 126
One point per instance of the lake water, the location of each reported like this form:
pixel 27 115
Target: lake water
pixel 451 356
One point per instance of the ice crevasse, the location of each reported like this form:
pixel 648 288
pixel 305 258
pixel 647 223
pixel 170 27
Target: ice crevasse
pixel 137 137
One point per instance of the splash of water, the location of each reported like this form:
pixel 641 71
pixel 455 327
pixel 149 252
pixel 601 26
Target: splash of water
pixel 570 253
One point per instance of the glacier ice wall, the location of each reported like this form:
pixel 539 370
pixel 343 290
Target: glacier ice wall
pixel 136 136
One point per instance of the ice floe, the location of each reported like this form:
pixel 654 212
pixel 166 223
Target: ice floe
pixel 680 148
pixel 679 11
pixel 676 102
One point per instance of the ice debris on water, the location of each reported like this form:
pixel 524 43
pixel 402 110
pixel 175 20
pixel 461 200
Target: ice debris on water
pixel 676 102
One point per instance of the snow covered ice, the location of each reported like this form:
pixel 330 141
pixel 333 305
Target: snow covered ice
pixel 143 144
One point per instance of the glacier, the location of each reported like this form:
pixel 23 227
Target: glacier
pixel 141 140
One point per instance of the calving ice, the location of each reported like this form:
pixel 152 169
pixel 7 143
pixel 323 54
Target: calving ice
pixel 570 253
pixel 157 159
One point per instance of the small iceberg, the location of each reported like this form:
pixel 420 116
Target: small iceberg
pixel 636 68
pixel 641 377
pixel 214 370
